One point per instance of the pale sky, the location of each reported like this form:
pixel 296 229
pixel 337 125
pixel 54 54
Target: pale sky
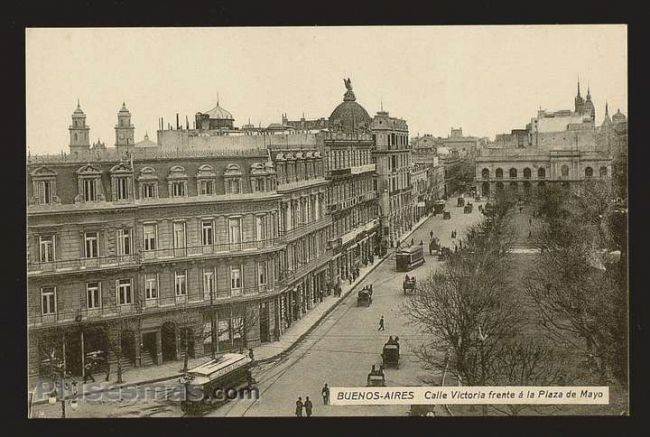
pixel 485 79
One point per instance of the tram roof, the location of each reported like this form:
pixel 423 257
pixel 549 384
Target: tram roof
pixel 223 363
pixel 411 249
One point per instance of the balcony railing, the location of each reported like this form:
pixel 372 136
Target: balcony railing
pixel 305 229
pixel 304 267
pixel 209 249
pixel 83 263
pixel 110 311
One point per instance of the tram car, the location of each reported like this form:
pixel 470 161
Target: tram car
pixel 206 385
pixel 408 258
pixel 439 206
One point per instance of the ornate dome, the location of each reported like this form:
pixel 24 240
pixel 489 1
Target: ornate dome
pixel 349 116
pixel 218 113
pixel 618 116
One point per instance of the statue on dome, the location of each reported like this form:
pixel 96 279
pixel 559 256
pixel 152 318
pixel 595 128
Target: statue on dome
pixel 348 83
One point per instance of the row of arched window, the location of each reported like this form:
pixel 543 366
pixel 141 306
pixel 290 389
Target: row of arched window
pixel 541 172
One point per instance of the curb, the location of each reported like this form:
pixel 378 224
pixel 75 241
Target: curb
pixel 343 296
pixel 279 354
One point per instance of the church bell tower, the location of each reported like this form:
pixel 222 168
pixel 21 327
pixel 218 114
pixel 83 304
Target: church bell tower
pixel 124 130
pixel 79 131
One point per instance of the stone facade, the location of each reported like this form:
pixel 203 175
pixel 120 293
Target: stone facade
pixel 392 156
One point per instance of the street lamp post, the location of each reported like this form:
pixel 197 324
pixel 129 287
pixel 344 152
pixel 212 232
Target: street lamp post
pixel 55 396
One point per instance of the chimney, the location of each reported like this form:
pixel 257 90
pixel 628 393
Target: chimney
pixel 177 125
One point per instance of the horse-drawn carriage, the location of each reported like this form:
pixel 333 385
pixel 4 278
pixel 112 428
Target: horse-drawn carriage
pixel 390 355
pixel 434 246
pixel 376 379
pixel 468 208
pixel 446 215
pixel 364 297
pixel 409 285
pixel 461 201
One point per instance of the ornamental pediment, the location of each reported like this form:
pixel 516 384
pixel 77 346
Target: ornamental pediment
pixel 177 172
pixel 206 171
pixel 147 173
pixel 258 169
pixel 121 168
pixel 43 172
pixel 232 170
pixel 89 170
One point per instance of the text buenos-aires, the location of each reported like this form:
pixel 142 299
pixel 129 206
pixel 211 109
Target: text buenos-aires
pixel 375 395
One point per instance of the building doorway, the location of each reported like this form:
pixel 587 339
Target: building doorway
pixel 485 189
pixel 127 345
pixel 168 341
pixel 265 328
pixel 149 352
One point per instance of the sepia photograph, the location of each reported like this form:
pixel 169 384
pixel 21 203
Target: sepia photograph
pixel 327 221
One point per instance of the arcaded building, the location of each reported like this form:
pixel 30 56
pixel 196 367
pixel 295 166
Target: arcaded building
pixel 560 147
pixel 141 253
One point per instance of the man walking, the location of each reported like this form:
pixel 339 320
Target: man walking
pixel 381 324
pixel 326 394
pixel 299 407
pixel 88 368
pixel 308 406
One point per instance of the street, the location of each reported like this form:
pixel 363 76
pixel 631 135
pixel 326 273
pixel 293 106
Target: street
pixel 339 352
pixel 342 350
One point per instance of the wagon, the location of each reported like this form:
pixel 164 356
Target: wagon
pixel 409 285
pixel 446 215
pixel 376 380
pixel 390 355
pixel 364 298
pixel 461 201
pixel 468 208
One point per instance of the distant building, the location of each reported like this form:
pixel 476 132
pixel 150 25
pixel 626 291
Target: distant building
pixel 459 145
pixel 562 147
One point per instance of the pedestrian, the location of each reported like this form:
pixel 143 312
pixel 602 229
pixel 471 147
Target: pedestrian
pixel 308 406
pixel 461 245
pixel 250 354
pixel 299 406
pixel 326 394
pixel 411 242
pixel 108 370
pixel 431 234
pixel 88 368
pixel 350 279
pixel 530 221
pixel 455 248
pixel 381 324
pixel 421 243
pixel 521 208
pixel 530 233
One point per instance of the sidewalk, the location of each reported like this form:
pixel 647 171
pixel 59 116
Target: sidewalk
pixel 266 352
